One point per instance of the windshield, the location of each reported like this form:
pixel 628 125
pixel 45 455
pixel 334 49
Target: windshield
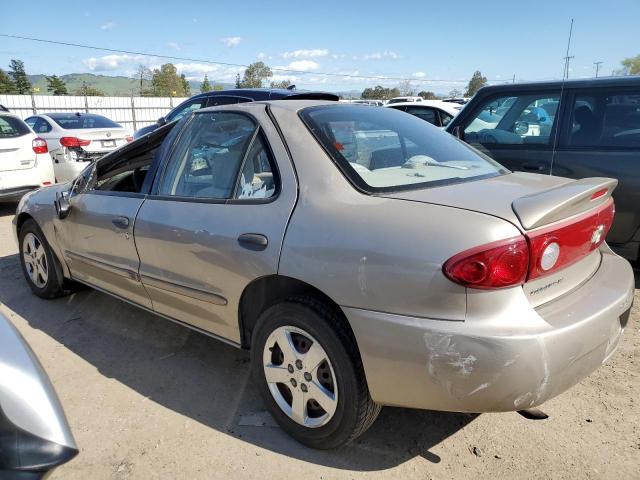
pixel 386 150
pixel 73 121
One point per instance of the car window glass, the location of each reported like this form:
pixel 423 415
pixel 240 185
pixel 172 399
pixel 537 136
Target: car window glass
pixel 605 119
pixel 224 100
pixel 188 107
pixel 206 160
pixel 41 126
pixel 129 176
pixel 256 180
pixel 445 118
pixel 514 120
pixel 72 121
pixel 426 114
pixel 11 127
pixel 31 121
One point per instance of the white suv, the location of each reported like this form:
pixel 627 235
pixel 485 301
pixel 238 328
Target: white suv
pixel 25 162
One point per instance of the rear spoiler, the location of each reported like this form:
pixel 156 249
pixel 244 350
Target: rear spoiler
pixel 561 202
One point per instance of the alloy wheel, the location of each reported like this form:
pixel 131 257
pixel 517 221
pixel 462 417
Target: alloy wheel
pixel 35 260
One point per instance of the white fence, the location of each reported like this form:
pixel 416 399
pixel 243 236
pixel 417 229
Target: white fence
pixel 130 112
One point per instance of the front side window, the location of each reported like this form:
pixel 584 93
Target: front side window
pixel 605 119
pixel 207 160
pixel 514 120
pixel 380 149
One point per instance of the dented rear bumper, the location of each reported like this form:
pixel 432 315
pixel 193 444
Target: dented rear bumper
pixel 484 366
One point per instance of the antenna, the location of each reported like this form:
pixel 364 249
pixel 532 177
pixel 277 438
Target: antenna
pixel 597 64
pixel 568 58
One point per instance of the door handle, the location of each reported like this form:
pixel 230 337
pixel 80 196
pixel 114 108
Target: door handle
pixel 534 167
pixel 253 241
pixel 121 222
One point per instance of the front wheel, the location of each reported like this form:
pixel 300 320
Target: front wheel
pixel 310 375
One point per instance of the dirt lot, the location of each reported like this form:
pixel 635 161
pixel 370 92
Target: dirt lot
pixel 150 399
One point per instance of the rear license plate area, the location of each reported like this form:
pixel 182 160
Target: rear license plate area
pixel 108 143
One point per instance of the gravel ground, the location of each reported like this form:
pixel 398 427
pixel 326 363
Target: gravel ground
pixel 150 399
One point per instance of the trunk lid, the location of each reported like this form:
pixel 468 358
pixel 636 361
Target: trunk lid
pixel 102 139
pixel 545 209
pixel 16 153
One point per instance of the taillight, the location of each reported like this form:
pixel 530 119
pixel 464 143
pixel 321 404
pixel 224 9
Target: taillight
pixel 511 262
pixel 561 245
pixel 73 142
pixel 39 145
pixel 496 265
pixel 129 138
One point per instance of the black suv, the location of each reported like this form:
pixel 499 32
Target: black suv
pixel 584 128
pixel 238 95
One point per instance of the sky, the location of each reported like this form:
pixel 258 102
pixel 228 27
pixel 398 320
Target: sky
pixel 436 44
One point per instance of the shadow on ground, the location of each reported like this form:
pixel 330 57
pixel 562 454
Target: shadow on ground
pixel 205 379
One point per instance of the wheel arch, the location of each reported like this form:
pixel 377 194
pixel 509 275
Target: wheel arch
pixel 266 291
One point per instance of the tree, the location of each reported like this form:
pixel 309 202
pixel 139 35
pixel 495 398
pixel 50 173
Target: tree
pixel 217 87
pixel 254 74
pixel 144 76
pixel 88 91
pixel 205 86
pixel 56 85
pixel 428 95
pixel 476 83
pixel 238 80
pixel 407 89
pixel 21 84
pixel 455 93
pixel 281 84
pixel 6 85
pixel 631 65
pixel 166 82
pixel 379 93
pixel 185 86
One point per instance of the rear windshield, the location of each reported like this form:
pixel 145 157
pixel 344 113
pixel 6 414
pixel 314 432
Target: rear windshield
pixel 11 127
pixel 73 121
pixel 383 149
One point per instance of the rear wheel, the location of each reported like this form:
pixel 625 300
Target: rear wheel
pixel 39 264
pixel 309 372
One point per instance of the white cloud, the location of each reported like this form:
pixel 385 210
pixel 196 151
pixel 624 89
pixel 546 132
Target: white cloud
pixel 382 55
pixel 302 66
pixel 260 56
pixel 231 41
pixel 303 53
pixel 173 45
pixel 107 26
pixel 113 62
pixel 419 74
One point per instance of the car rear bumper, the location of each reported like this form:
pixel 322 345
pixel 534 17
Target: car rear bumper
pixel 16 193
pixel 480 367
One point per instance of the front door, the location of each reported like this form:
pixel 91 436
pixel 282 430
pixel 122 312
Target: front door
pixel 216 219
pixel 516 130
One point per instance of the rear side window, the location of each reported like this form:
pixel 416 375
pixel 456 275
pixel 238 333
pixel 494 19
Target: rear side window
pixel 426 114
pixel 81 120
pixel 12 127
pixel 220 155
pixel 381 149
pixel 39 125
pixel 514 120
pixel 605 119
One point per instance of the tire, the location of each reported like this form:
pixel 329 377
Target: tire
pixel 53 285
pixel 348 408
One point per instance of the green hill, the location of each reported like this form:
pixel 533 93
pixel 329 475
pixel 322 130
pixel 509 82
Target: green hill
pixel 111 86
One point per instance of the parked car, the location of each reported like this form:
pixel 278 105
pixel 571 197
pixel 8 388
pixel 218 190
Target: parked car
pixel 365 257
pixel 34 434
pixel 436 112
pixel 231 97
pixel 25 163
pixel 580 129
pixel 405 99
pixel 77 139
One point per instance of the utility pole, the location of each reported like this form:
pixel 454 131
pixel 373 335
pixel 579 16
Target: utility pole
pixel 514 78
pixel 597 64
pixel 567 57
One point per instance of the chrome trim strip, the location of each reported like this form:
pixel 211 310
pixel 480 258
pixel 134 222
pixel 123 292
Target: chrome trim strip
pixel 201 295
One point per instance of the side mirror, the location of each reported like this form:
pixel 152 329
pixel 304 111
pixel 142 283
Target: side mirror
pixel 62 204
pixel 521 128
pixel 457 132
pixel 162 121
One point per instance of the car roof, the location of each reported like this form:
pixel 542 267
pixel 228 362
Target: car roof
pixel 258 94
pixel 571 83
pixel 290 105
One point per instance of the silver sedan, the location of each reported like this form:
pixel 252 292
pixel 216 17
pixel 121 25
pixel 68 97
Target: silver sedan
pixel 365 257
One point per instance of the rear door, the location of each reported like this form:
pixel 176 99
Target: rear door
pixel 601 137
pixel 517 130
pixel 216 218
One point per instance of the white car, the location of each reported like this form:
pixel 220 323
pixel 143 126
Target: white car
pixel 76 139
pixel 25 163
pixel 405 99
pixel 436 112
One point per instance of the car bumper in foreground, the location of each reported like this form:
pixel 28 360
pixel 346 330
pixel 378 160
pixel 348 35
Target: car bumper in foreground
pixel 478 367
